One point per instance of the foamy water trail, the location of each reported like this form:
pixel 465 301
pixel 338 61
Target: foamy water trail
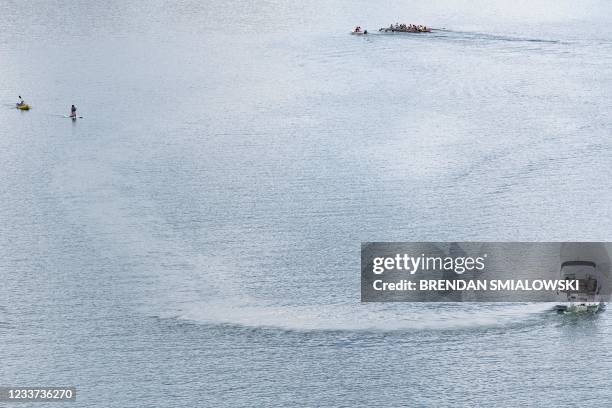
pixel 364 317
pixel 185 278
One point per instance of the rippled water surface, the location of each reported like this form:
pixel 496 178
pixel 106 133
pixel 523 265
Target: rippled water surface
pixel 194 239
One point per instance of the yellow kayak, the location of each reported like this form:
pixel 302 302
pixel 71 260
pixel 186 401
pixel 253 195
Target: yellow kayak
pixel 23 107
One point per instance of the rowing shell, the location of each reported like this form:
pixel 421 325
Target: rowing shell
pixel 394 30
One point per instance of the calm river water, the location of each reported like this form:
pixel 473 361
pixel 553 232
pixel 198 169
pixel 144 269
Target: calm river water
pixel 194 239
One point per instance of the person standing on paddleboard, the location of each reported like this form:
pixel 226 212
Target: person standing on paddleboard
pixel 73 112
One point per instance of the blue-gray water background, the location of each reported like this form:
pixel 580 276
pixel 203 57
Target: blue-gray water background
pixel 194 240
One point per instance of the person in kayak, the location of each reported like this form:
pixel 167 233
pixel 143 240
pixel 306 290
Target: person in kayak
pixel 73 111
pixel 21 101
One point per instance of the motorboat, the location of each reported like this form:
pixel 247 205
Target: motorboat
pixel 359 31
pixel 589 296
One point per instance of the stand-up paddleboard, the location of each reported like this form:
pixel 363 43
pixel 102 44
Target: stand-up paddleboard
pixel 73 117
